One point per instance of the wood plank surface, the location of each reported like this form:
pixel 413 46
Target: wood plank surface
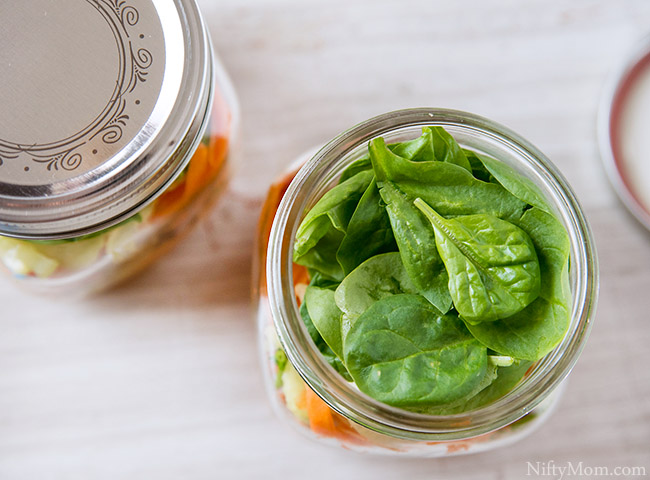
pixel 160 378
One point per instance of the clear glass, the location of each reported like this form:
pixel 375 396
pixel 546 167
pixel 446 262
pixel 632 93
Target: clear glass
pixel 310 395
pixel 97 261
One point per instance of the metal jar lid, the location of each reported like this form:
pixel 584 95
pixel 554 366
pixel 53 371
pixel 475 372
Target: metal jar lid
pixel 103 101
pixel 623 126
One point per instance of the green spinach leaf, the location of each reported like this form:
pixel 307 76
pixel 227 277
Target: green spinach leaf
pixel 325 350
pixel 478 169
pixel 446 149
pixel 536 330
pixel 520 186
pixel 376 278
pixel 325 316
pixel 449 189
pixel 320 233
pixel 435 144
pixel 361 164
pixel 507 379
pixel 369 232
pixel 404 352
pixel 492 265
pixel 417 247
pixel 503 380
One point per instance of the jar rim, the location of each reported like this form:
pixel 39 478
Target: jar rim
pixel 341 395
pixel 123 172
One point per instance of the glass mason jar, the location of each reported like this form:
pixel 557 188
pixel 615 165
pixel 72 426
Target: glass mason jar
pixel 310 395
pixel 119 137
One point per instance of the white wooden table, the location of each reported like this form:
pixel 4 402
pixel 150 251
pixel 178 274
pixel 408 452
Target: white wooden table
pixel 160 380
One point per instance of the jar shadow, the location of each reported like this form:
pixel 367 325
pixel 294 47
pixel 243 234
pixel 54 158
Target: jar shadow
pixel 210 266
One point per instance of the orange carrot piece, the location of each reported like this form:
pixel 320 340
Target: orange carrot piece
pixel 325 421
pixel 320 415
pixel 300 274
pixel 197 172
pixel 347 433
pixel 270 206
pixel 217 153
pixel 169 201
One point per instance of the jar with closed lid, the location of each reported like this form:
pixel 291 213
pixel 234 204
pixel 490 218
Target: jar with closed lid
pixel 356 351
pixel 117 136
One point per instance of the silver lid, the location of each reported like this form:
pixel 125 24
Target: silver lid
pixel 103 101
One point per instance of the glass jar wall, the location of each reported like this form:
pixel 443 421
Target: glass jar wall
pixel 98 260
pixel 174 160
pixel 310 395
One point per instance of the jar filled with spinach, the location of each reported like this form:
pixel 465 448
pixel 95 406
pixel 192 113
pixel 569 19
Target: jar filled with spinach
pixel 425 282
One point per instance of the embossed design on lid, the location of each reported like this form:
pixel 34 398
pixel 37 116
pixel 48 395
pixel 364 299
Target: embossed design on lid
pixel 93 98
pixel 102 103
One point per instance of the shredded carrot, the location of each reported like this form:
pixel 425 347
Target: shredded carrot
pixel 270 206
pixel 300 274
pixel 217 153
pixel 320 415
pixel 325 421
pixel 168 202
pixel 204 166
pixel 346 432
pixel 198 172
pixel 458 447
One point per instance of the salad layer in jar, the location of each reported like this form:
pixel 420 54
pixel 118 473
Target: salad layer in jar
pixel 432 278
pixel 103 258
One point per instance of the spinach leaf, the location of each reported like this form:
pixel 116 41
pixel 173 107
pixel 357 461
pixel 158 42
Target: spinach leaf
pixel 417 247
pixel 435 144
pixel 452 407
pixel 404 352
pixel 466 227
pixel 446 148
pixel 492 265
pixel 359 165
pixel 520 186
pixel 379 277
pixel 321 258
pixel 419 149
pixel 368 233
pixel 503 380
pixel 325 350
pixel 325 316
pixel 478 169
pixel 323 228
pixel 536 330
pixel 317 279
pixel 449 189
pixel 507 379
